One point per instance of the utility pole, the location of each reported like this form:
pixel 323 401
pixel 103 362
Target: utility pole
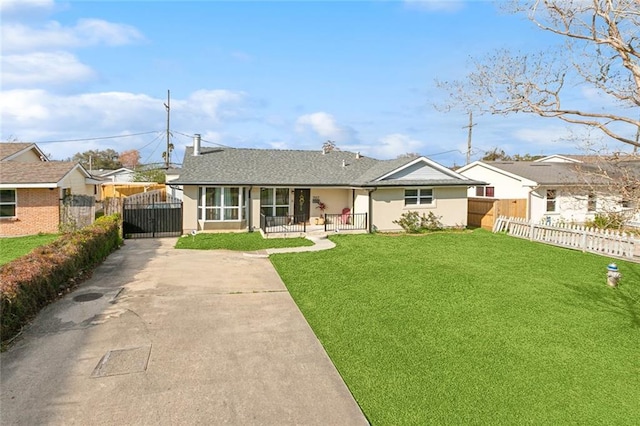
pixel 167 157
pixel 470 126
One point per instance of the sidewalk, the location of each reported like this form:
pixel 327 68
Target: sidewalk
pixel 174 337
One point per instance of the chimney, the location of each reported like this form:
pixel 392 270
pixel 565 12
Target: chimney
pixel 196 144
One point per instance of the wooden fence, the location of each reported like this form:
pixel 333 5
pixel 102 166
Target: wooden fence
pixel 578 237
pixel 483 212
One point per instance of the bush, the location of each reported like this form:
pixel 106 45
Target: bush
pixel 31 281
pixel 611 220
pixel 413 223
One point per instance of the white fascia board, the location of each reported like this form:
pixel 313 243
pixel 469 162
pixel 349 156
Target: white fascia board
pixel 429 162
pixel 525 181
pixel 40 154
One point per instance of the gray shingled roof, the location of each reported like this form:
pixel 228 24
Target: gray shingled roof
pixel 14 172
pixel 553 173
pixel 268 167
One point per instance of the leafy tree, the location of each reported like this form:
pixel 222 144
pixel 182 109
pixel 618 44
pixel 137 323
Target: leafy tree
pixel 98 159
pixel 329 146
pixel 600 53
pixel 150 175
pixel 130 158
pixel 496 154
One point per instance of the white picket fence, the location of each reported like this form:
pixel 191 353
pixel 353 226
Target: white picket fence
pixel 605 242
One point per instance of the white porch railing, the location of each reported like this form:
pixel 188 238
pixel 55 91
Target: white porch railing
pixel 578 237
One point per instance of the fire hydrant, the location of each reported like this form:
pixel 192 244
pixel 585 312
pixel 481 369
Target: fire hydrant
pixel 613 276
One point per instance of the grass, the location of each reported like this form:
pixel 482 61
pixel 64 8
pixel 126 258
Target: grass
pixel 473 328
pixel 15 247
pixel 247 241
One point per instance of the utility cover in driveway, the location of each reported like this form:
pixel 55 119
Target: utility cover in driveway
pixel 123 361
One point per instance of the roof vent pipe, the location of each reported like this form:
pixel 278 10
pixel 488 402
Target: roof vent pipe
pixel 358 155
pixel 344 163
pixel 196 144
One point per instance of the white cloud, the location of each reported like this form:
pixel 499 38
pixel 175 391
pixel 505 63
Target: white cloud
pixel 395 144
pixel 49 68
pixel 23 8
pixel 87 32
pixel 213 105
pixel 325 126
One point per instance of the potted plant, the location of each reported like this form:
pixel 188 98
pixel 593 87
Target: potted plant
pixel 322 207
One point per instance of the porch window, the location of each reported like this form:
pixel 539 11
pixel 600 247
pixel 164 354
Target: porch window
pixel 591 202
pixel 419 196
pixel 551 200
pixel 222 204
pixel 274 201
pixel 7 203
pixel 485 191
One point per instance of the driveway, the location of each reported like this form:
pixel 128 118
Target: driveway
pixel 160 336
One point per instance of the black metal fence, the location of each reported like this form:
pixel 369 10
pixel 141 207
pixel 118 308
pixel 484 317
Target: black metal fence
pixel 345 222
pixel 283 224
pixel 162 219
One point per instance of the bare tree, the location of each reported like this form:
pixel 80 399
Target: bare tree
pixel 601 51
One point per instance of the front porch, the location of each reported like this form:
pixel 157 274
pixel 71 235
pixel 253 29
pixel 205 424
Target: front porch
pixel 291 226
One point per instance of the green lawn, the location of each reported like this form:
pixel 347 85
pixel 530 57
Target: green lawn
pixel 473 328
pixel 245 241
pixel 12 248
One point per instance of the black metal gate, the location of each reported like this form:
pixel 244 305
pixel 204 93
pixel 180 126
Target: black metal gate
pixel 156 219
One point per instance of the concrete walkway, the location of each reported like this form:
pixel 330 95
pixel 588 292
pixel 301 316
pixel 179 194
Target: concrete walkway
pixel 160 336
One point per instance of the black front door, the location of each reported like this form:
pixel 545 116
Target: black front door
pixel 302 205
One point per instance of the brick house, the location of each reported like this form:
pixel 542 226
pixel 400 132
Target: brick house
pixel 33 189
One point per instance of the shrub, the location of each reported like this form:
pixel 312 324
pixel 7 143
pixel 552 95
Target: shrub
pixel 31 281
pixel 413 223
pixel 611 220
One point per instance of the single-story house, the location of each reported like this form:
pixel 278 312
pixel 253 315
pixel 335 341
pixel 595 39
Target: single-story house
pixel 237 189
pixel 33 190
pixel 555 188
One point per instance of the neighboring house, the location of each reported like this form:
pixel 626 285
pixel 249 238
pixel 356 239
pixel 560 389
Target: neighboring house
pixel 554 188
pixel 230 188
pixel 122 174
pixel 33 189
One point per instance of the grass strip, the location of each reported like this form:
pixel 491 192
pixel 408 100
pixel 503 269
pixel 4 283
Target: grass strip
pixel 14 247
pixel 246 241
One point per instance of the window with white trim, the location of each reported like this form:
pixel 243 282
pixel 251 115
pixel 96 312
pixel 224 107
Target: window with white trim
pixel 220 204
pixel 551 200
pixel 274 201
pixel 8 202
pixel 418 196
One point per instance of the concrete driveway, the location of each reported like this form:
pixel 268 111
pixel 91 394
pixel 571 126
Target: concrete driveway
pixel 160 336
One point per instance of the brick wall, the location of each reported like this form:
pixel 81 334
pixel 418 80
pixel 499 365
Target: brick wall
pixel 38 210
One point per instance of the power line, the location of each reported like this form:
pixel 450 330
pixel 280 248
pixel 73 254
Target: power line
pixel 203 140
pixel 98 138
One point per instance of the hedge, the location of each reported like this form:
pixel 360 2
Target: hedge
pixel 30 282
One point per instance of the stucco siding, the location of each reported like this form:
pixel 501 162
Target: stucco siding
pixel 335 199
pixel 449 202
pixel 190 208
pixel 29 156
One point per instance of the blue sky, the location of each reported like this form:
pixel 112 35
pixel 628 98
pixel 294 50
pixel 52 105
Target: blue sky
pixel 261 74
